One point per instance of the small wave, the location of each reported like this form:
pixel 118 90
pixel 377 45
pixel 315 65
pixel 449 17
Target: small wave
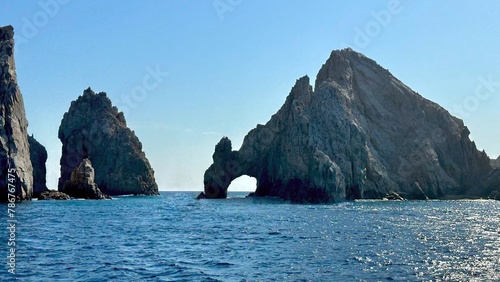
pixel 224 264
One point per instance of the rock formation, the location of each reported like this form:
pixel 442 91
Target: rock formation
pixel 496 163
pixel 361 133
pixel 94 129
pixel 53 195
pixel 492 181
pixel 393 196
pixel 38 156
pixel 494 185
pixel 14 146
pixel 81 183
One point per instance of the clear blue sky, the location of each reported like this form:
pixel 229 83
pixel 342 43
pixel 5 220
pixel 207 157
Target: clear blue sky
pixel 231 64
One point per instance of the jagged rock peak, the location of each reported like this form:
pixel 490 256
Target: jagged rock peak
pixel 93 128
pixel 361 133
pixel 14 146
pixel 100 102
pixel 222 149
pixel 6 32
pixel 7 39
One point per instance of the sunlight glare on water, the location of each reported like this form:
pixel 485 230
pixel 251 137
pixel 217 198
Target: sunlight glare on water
pixel 177 238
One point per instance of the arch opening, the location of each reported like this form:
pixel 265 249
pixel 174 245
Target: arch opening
pixel 243 183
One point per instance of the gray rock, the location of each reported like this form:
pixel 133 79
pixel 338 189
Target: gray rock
pixel 94 129
pixel 361 133
pixel 53 195
pixel 496 163
pixel 201 196
pixel 492 184
pixel 38 156
pixel 393 196
pixel 81 183
pixel 492 181
pixel 14 146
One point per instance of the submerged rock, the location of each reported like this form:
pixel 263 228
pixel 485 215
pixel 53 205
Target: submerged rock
pixel 38 156
pixel 361 133
pixel 53 195
pixel 201 196
pixel 94 129
pixel 81 183
pixel 393 196
pixel 14 146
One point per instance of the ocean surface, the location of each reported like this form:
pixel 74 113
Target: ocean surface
pixel 174 237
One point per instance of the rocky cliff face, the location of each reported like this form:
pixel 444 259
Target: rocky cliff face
pixel 492 184
pixel 492 180
pixel 361 133
pixel 94 129
pixel 81 183
pixel 14 146
pixel 38 156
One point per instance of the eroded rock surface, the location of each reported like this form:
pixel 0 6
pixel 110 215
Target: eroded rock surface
pixel 496 163
pixel 38 156
pixel 14 146
pixel 94 129
pixel 81 183
pixel 361 133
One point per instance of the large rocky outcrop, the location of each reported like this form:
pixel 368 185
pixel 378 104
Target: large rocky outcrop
pixel 361 133
pixel 38 156
pixel 14 146
pixel 94 129
pixel 81 183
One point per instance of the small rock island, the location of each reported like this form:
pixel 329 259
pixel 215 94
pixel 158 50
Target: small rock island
pixel 359 134
pixel 94 132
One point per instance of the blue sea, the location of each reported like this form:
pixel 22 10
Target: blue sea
pixel 175 237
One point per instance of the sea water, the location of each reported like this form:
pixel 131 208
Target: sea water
pixel 175 237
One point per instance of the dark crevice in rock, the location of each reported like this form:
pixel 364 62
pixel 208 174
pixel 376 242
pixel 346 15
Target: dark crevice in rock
pixel 38 156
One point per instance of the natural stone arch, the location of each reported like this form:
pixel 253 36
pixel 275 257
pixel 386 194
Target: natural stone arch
pixel 223 171
pixel 361 133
